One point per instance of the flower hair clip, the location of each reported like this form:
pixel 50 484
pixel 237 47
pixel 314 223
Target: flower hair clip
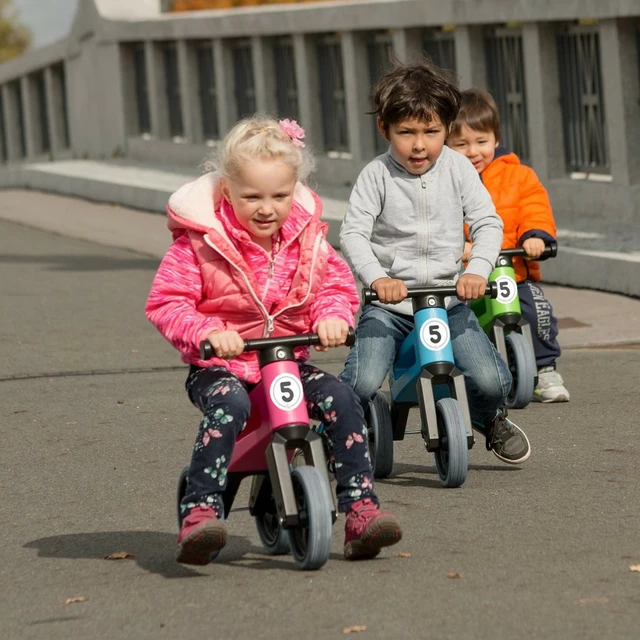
pixel 293 130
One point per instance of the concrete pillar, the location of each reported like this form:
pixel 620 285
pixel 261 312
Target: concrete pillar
pixel 470 59
pixel 52 117
pixel 264 75
pixel 407 44
pixel 224 86
pixel 619 64
pixel 29 123
pixel 306 63
pixel 188 92
pixel 544 113
pixel 357 92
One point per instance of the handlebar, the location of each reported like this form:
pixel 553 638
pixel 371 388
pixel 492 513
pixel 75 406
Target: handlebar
pixel 369 295
pixel 306 339
pixel 551 251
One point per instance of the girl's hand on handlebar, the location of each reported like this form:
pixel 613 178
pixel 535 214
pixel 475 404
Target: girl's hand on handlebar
pixel 533 247
pixel 390 290
pixel 226 344
pixel 332 333
pixel 471 287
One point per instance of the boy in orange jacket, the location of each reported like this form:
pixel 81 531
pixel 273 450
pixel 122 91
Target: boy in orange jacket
pixel 523 204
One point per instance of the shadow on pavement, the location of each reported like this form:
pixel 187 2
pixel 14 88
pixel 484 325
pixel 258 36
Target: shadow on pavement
pixel 401 470
pixel 154 552
pixel 83 263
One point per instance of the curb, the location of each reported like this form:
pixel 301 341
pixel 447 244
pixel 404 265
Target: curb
pixel 609 271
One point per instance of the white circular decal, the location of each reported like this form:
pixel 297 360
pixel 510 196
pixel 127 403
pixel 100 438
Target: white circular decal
pixel 434 334
pixel 286 391
pixel 507 289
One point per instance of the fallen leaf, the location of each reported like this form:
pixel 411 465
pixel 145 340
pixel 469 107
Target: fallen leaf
pixel 120 555
pixel 74 600
pixel 402 554
pixel 634 567
pixel 454 574
pixel 356 628
pixel 591 601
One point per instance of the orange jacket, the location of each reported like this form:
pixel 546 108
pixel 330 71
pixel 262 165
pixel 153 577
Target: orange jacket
pixel 523 204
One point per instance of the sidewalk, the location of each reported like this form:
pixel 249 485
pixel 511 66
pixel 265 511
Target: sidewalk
pixel 587 318
pixel 598 256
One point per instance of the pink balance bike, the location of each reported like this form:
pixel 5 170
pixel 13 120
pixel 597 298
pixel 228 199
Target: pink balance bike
pixel 293 507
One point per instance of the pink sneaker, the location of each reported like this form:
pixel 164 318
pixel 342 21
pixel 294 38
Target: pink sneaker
pixel 201 534
pixel 368 529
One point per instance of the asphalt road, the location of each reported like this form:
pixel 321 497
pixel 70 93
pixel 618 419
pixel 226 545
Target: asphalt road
pixel 96 426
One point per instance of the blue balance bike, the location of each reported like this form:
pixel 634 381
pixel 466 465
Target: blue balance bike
pixel 501 318
pixel 424 374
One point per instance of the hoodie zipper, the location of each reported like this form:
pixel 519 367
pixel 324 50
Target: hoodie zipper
pixel 425 237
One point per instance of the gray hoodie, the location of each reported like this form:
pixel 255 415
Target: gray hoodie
pixel 411 227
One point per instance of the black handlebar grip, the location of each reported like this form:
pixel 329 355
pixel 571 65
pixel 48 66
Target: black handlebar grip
pixel 351 337
pixel 206 350
pixel 492 290
pixel 551 251
pixel 368 295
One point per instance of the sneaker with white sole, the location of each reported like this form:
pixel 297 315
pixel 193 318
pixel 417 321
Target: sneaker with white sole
pixel 505 438
pixel 550 386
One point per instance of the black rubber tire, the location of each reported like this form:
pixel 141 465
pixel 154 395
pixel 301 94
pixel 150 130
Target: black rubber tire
pixel 522 364
pixel 452 458
pixel 311 539
pixel 274 538
pixel 380 435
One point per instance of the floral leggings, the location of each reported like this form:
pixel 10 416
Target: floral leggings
pixel 224 400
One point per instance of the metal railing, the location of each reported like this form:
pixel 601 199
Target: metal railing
pixel 439 45
pixel 505 79
pixel 60 104
pixel 244 83
pixel 207 96
pixel 286 89
pixel 379 52
pixel 172 88
pixel 332 93
pixel 582 99
pixel 40 94
pixel 143 121
pixel 3 134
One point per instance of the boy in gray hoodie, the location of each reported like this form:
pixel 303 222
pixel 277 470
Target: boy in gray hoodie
pixel 404 227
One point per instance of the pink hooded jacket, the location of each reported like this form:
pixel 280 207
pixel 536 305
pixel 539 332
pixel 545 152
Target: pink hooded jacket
pixel 215 278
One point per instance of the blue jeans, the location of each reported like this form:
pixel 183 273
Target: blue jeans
pixel 380 334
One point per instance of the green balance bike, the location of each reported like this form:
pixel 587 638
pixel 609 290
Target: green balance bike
pixel 501 318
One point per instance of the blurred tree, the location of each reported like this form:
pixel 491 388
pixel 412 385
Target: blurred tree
pixel 15 38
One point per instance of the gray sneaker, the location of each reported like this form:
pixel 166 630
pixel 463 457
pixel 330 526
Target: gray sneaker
pixel 506 439
pixel 550 386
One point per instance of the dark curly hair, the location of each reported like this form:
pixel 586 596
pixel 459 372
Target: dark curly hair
pixel 418 89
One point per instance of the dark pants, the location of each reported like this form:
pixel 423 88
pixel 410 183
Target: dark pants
pixel 544 325
pixel 224 400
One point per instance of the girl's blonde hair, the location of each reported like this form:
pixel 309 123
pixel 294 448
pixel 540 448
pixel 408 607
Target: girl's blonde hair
pixel 259 137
